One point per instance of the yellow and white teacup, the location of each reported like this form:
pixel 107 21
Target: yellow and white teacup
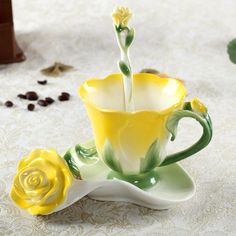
pixel 133 144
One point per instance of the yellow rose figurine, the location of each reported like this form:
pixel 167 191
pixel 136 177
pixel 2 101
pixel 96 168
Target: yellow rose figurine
pixel 41 182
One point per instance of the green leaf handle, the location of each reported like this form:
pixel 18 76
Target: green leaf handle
pixel 172 124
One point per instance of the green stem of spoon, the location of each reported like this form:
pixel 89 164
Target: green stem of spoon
pixel 127 75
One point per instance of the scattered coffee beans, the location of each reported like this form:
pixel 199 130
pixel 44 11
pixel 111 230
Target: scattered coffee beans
pixel 49 100
pixel 42 103
pixel 42 82
pixel 9 104
pixel 32 96
pixel 22 96
pixel 31 107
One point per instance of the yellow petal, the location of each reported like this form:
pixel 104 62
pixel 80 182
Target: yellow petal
pixel 25 160
pixel 19 200
pixel 198 106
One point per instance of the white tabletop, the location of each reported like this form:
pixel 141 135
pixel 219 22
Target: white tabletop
pixel 186 39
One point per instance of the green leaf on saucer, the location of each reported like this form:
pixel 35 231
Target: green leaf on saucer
pixel 86 155
pixel 72 165
pixel 231 49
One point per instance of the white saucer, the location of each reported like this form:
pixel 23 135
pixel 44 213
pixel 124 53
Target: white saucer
pixel 174 186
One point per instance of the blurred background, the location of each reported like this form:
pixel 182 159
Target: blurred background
pixel 177 37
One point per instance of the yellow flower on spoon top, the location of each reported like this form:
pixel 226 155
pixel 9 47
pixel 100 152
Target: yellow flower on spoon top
pixel 121 16
pixel 41 182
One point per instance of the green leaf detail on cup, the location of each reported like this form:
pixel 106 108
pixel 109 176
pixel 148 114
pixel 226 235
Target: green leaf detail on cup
pixel 146 178
pixel 152 157
pixel 109 157
pixel 148 163
pixel 231 49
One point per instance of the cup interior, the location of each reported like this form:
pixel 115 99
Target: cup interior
pixel 150 92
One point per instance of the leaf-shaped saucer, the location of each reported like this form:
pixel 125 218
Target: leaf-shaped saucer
pixel 174 186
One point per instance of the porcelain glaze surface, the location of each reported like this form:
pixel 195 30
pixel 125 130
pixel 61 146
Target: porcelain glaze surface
pixel 134 143
pixel 130 134
pixel 174 186
pixel 41 182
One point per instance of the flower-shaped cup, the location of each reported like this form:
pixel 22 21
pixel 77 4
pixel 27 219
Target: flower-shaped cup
pixel 133 144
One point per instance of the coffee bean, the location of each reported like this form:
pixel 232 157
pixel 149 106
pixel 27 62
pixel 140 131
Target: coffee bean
pixel 63 98
pixel 31 107
pixel 22 96
pixel 49 100
pixel 32 96
pixel 65 94
pixel 42 82
pixel 9 104
pixel 42 103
